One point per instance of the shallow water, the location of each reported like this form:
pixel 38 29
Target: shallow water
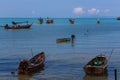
pixel 63 61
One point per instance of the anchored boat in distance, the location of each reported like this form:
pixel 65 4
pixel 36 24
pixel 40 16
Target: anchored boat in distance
pixel 16 25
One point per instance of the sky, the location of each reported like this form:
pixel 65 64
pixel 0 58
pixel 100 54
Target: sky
pixel 59 8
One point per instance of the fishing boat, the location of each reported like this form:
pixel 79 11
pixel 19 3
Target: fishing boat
pixel 16 26
pixel 34 64
pixel 63 40
pixel 71 21
pixel 66 40
pixel 40 20
pixel 49 21
pixel 98 21
pixel 118 18
pixel 96 66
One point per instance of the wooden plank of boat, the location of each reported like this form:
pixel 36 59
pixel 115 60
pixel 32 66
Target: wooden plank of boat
pixel 27 26
pixel 36 63
pixel 97 65
pixel 63 40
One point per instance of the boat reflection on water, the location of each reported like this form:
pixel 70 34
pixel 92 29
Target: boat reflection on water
pixel 96 77
pixel 24 77
pixel 29 76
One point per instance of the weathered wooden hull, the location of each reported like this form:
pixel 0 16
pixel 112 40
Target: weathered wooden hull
pixel 31 66
pixel 93 68
pixel 63 40
pixel 31 69
pixel 27 26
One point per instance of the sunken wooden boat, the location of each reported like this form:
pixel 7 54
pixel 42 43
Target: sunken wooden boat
pixel 97 66
pixel 26 26
pixel 66 40
pixel 63 40
pixel 33 65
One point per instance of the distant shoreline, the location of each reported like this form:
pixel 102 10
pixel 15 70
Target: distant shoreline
pixel 56 18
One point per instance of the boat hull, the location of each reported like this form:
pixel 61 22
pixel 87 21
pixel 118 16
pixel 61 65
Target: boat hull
pixel 63 40
pixel 31 70
pixel 27 26
pixel 33 65
pixel 96 66
pixel 95 70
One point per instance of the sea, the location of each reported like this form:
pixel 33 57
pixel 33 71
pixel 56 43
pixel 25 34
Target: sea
pixel 64 61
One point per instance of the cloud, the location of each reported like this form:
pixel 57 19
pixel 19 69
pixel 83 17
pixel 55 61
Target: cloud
pixel 106 10
pixel 33 12
pixel 78 10
pixel 93 11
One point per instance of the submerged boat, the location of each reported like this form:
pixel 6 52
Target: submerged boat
pixel 97 65
pixel 34 64
pixel 26 26
pixel 63 40
pixel 66 40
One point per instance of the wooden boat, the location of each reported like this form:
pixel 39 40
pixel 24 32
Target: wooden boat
pixel 66 40
pixel 49 21
pixel 40 20
pixel 97 65
pixel 98 21
pixel 71 21
pixel 27 26
pixel 34 64
pixel 63 40
pixel 118 18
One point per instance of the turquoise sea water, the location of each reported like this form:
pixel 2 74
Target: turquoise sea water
pixel 63 61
